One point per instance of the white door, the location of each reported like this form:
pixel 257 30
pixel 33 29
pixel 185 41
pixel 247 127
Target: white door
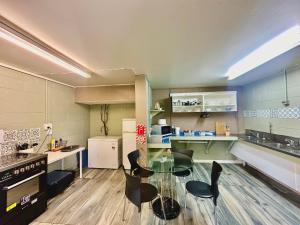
pixel 129 145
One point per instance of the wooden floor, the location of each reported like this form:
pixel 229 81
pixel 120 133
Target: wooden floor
pixel 98 200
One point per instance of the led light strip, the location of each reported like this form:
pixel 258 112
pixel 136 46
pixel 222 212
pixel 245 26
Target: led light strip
pixel 40 52
pixel 280 44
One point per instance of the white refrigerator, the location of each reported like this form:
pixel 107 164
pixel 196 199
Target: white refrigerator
pixel 105 152
pixel 129 139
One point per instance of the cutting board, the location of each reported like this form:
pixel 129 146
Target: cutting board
pixel 220 128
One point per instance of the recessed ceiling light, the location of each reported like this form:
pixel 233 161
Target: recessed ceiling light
pixel 280 44
pixel 40 52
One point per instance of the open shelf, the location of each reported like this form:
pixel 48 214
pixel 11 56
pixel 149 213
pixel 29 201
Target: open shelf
pixel 154 112
pixel 220 101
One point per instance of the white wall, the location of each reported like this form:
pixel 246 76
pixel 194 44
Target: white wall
pixel 269 93
pixel 29 102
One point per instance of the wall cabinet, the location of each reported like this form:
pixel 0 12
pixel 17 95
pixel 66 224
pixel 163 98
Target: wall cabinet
pixel 220 101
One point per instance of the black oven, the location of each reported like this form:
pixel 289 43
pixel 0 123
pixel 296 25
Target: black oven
pixel 23 192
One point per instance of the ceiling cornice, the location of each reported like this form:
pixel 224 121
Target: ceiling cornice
pixel 18 31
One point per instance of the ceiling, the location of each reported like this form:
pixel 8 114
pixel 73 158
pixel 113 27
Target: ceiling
pixel 176 43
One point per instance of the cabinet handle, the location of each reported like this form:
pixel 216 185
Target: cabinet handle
pixel 6 188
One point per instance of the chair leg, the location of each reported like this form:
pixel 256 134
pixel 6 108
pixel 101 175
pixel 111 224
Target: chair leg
pixel 215 215
pixel 140 217
pixel 191 172
pixel 185 198
pixel 124 208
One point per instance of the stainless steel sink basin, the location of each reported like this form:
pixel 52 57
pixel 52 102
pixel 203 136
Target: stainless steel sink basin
pixel 283 146
pixel 251 138
pixel 70 148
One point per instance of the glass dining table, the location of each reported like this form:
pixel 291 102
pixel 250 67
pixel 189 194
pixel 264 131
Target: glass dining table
pixel 165 164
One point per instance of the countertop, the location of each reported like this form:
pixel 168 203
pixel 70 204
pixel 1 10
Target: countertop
pixel 58 155
pixel 293 151
pixel 192 138
pixel 204 138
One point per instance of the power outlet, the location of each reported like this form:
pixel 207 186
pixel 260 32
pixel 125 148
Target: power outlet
pixel 48 126
pixel 1 136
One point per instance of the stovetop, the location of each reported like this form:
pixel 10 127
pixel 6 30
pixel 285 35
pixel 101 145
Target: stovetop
pixel 16 159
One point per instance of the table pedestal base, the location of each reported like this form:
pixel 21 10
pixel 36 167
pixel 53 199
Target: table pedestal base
pixel 171 206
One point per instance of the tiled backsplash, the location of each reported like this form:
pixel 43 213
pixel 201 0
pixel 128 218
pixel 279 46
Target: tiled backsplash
pixel 280 113
pixel 13 137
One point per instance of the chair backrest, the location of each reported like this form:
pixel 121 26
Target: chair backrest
pixel 183 157
pixel 133 189
pixel 133 157
pixel 215 175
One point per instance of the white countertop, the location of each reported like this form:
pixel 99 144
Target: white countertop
pixel 192 138
pixel 58 155
pixel 204 138
pixel 159 145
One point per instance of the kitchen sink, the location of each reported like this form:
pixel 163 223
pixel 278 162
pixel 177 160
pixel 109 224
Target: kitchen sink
pixel 276 145
pixel 70 148
pixel 283 146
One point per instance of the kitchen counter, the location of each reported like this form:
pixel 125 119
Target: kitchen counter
pixel 207 140
pixel 60 156
pixel 283 148
pixel 204 138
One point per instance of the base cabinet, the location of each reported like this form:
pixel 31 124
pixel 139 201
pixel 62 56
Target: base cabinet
pixel 281 167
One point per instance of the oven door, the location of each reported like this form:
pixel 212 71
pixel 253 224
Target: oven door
pixel 23 193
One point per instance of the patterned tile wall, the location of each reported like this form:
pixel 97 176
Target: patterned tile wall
pixel 12 138
pixel 280 113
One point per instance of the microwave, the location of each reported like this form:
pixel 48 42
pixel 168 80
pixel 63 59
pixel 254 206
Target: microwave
pixel 161 129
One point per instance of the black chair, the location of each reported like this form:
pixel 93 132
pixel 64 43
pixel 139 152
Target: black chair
pixel 204 190
pixel 135 169
pixel 182 158
pixel 138 193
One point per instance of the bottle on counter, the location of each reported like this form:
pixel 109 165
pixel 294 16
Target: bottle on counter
pixel 227 132
pixel 52 144
pixel 177 131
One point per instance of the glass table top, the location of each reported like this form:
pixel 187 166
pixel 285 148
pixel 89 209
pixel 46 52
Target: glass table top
pixel 166 162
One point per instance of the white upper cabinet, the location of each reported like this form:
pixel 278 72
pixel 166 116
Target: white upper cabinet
pixel 219 101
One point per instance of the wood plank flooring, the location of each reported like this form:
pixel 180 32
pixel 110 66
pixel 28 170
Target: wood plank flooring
pixel 98 200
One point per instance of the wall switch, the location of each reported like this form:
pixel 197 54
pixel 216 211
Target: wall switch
pixel 1 136
pixel 48 126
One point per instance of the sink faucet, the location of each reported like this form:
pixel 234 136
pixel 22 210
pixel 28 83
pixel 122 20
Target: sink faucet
pixel 270 127
pixel 290 142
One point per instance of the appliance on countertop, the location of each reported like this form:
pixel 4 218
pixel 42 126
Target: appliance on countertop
pixel 23 185
pixel 162 122
pixel 161 129
pixel 161 132
pixel 128 139
pixel 105 152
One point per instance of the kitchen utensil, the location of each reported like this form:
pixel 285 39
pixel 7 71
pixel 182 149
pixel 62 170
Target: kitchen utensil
pixel 157 106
